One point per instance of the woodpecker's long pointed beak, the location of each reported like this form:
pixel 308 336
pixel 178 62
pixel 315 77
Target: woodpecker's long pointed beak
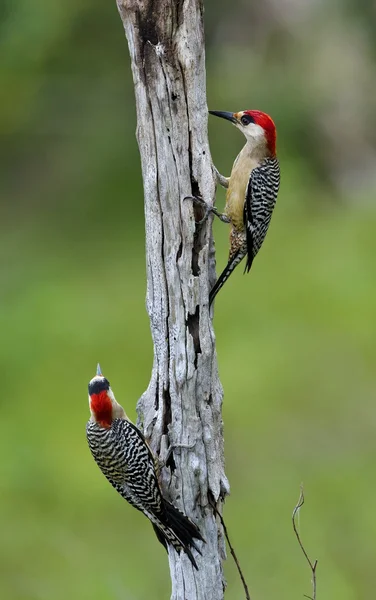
pixel 99 370
pixel 224 115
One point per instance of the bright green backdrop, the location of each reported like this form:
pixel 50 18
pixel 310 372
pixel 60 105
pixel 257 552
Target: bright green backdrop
pixel 295 339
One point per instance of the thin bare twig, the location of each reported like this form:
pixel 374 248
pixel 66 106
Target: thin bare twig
pixel 312 565
pixel 248 597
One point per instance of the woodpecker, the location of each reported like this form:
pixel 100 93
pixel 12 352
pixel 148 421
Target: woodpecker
pixel 125 459
pixel 252 189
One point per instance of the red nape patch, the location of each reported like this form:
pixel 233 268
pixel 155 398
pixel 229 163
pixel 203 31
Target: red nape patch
pixel 102 408
pixel 267 124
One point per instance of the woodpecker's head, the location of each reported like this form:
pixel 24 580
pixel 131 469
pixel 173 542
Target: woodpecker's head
pixel 258 128
pixel 103 406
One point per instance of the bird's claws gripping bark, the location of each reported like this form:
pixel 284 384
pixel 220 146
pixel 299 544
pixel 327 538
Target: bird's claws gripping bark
pixel 208 209
pixel 163 462
pixel 221 179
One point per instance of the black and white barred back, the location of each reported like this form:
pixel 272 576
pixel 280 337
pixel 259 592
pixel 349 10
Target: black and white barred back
pixel 123 456
pixel 260 200
pixel 126 460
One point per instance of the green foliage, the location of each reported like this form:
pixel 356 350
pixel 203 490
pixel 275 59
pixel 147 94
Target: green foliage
pixel 295 338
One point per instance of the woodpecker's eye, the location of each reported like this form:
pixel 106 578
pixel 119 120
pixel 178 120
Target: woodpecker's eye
pixel 246 120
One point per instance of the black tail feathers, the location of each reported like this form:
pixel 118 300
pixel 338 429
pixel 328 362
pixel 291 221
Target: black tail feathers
pixel 179 531
pixel 232 263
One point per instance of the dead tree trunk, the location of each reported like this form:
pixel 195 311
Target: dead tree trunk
pixel 181 408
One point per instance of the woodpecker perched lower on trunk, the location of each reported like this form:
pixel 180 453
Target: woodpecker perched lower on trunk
pixel 124 457
pixel 252 189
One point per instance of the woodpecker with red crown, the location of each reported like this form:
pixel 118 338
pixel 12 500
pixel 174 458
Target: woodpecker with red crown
pixel 124 457
pixel 252 189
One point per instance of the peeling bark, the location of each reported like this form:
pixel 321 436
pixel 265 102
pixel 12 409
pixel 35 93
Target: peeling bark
pixel 181 409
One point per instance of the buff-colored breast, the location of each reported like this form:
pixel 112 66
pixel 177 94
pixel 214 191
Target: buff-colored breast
pixel 238 182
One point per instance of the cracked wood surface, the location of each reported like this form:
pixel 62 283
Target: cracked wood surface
pixel 181 409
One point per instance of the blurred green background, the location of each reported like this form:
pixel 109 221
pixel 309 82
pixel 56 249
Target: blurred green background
pixel 296 352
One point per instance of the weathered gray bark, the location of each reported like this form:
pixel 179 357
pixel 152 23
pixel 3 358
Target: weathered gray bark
pixel 182 405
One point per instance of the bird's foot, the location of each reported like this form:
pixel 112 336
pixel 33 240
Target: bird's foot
pixel 221 179
pixel 167 455
pixel 207 210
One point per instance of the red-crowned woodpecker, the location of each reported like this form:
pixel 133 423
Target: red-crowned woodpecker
pixel 124 457
pixel 252 189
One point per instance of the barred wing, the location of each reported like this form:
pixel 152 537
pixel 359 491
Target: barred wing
pixel 259 203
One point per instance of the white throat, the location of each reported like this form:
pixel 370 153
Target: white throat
pixel 256 141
